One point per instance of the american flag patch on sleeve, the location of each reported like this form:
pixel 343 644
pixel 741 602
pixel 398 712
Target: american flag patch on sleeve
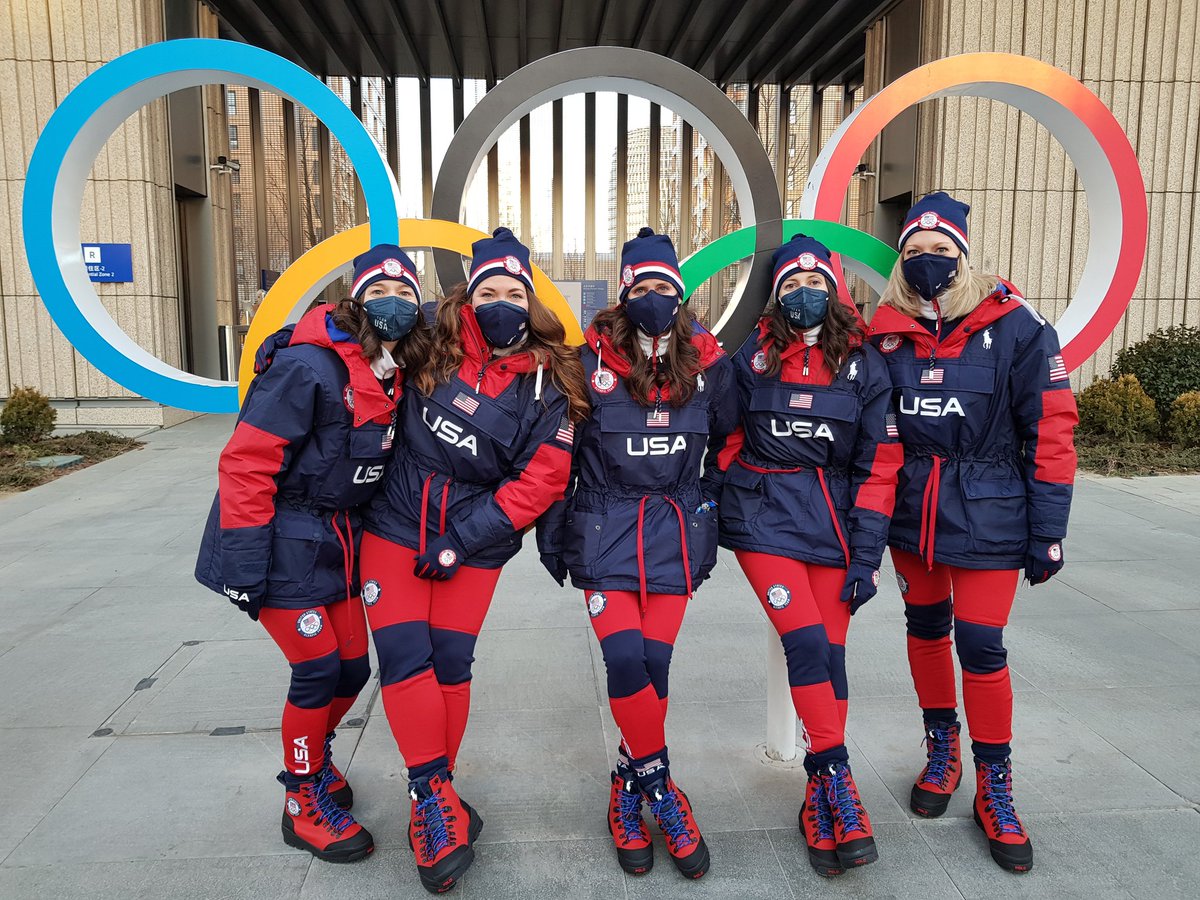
pixel 932 376
pixel 800 401
pixel 466 403
pixel 660 418
pixel 892 430
pixel 1058 369
pixel 566 431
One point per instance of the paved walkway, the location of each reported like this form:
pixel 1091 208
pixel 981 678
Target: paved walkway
pixel 137 711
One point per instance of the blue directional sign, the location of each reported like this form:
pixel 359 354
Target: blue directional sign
pixel 108 262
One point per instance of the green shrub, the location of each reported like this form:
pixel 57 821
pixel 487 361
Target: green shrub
pixel 27 417
pixel 1166 362
pixel 1118 408
pixel 1183 425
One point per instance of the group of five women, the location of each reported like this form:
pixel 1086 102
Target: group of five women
pixel 383 470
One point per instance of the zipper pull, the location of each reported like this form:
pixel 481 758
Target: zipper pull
pixel 806 349
pixel 479 380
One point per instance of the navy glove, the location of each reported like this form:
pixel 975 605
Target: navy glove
pixel 1043 560
pixel 862 581
pixel 248 599
pixel 441 558
pixel 556 567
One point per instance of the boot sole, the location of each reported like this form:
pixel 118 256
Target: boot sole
pixel 1000 855
pixel 449 879
pixel 859 852
pixel 929 805
pixel 825 863
pixel 695 864
pixel 634 862
pixel 343 855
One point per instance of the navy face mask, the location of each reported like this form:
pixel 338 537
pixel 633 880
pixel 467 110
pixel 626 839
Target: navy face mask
pixel 806 306
pixel 391 317
pixel 929 273
pixel 653 312
pixel 502 323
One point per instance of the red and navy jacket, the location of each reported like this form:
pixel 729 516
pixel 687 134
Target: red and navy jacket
pixel 630 522
pixel 986 416
pixel 311 444
pixel 810 473
pixel 484 455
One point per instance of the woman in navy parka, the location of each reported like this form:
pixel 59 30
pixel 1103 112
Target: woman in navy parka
pixel 311 445
pixel 986 416
pixel 488 430
pixel 638 533
pixel 810 477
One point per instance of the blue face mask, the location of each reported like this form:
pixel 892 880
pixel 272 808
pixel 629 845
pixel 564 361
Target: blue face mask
pixel 502 323
pixel 929 273
pixel 391 317
pixel 653 312
pixel 806 306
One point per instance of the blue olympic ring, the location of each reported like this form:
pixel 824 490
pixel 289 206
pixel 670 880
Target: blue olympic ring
pixel 73 138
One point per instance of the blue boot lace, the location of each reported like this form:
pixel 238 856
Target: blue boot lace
pixel 997 795
pixel 326 774
pixel 671 819
pixel 938 742
pixel 434 835
pixel 823 814
pixel 629 808
pixel 844 799
pixel 336 818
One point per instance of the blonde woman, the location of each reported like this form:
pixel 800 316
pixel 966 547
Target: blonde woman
pixel 986 417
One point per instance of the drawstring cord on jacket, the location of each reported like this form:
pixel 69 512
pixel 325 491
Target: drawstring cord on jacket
pixel 424 526
pixel 929 511
pixel 641 548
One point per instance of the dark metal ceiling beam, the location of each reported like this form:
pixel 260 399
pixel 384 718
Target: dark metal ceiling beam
pixel 682 30
pixel 271 14
pixel 522 33
pixel 771 22
pixel 720 30
pixel 490 55
pixel 365 35
pixel 444 28
pixel 605 7
pixel 647 15
pixel 860 15
pixel 837 70
pixel 400 23
pixel 813 37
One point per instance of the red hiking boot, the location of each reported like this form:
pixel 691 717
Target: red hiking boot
pixel 439 833
pixel 851 826
pixel 335 782
pixel 313 822
pixel 673 812
pixel 942 773
pixel 816 823
pixel 635 853
pixel 994 813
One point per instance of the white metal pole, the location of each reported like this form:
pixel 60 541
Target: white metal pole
pixel 781 714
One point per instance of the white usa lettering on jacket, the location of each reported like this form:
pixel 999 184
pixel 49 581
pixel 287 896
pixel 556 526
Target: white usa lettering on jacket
pixel 450 432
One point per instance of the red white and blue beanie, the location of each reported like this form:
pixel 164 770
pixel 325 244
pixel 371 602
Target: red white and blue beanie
pixel 384 261
pixel 501 254
pixel 938 212
pixel 801 254
pixel 649 255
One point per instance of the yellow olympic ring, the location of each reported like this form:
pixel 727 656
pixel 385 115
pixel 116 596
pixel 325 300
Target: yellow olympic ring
pixel 320 264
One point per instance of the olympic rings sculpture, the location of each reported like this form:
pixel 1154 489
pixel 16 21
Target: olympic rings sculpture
pixel 87 117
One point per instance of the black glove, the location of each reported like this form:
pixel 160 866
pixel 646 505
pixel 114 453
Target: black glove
pixel 862 581
pixel 248 599
pixel 441 558
pixel 556 567
pixel 1043 560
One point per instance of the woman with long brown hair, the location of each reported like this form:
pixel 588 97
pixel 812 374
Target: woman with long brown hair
pixel 809 486
pixel 313 439
pixel 488 444
pixel 638 533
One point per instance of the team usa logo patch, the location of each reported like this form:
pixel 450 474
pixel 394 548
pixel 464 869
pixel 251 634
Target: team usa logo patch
pixel 512 264
pixel 604 381
pixel 928 220
pixel 596 602
pixel 758 362
pixel 392 267
pixel 875 578
pixel 348 397
pixel 778 596
pixel 371 592
pixel 627 276
pixel 903 583
pixel 293 807
pixel 890 344
pixel 1055 552
pixel 807 261
pixel 447 557
pixel 310 623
